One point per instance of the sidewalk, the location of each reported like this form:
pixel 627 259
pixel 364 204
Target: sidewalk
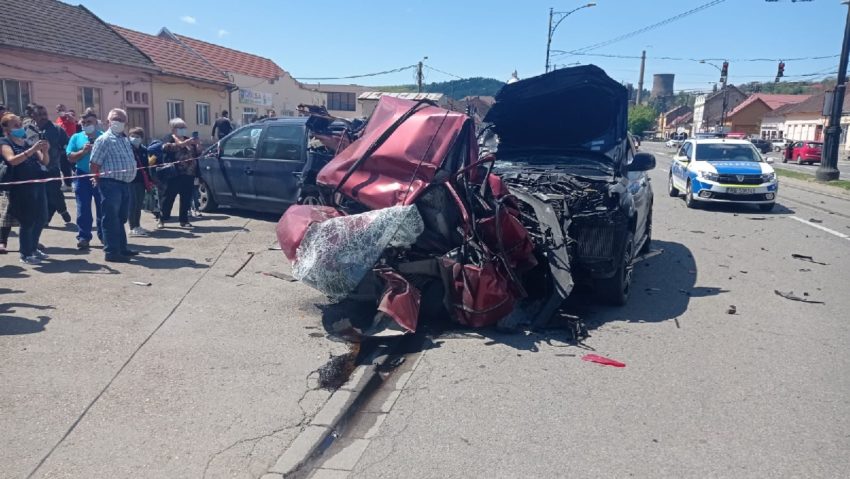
pixel 197 375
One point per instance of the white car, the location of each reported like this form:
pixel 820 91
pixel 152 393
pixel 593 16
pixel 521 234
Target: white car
pixel 722 171
pixel 672 143
pixel 779 145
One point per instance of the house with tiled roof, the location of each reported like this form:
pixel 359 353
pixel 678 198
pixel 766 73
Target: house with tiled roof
pixel 711 109
pixel 802 121
pixel 262 87
pixel 52 52
pixel 747 116
pixel 187 87
pixel 666 119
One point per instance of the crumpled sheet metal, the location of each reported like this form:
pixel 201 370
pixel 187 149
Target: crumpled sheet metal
pixel 406 163
pixel 294 223
pixel 400 300
pixel 336 254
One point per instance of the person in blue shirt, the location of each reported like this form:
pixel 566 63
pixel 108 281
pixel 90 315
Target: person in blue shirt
pixel 79 153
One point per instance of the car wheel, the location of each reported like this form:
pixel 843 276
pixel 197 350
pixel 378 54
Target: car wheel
pixel 690 202
pixel 310 196
pixel 615 290
pixel 799 160
pixel 767 207
pixel 206 201
pixel 672 190
pixel 777 149
pixel 646 244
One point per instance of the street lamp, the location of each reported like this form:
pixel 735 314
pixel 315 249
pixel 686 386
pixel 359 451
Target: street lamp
pixel 828 169
pixel 552 28
pixel 723 74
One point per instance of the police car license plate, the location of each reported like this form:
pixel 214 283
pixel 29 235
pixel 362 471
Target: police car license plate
pixel 738 191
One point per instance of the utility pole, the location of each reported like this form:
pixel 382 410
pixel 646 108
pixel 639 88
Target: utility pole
pixel 828 169
pixel 549 39
pixel 640 79
pixel 420 78
pixel 724 74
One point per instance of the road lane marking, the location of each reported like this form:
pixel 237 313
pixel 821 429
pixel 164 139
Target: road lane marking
pixel 822 228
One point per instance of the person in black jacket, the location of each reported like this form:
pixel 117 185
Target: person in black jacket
pixel 183 151
pixel 140 184
pixel 58 140
pixel 222 127
pixel 28 202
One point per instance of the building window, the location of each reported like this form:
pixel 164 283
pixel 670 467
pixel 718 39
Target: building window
pixel 128 96
pixel 341 101
pixel 89 97
pixel 202 113
pixel 248 114
pixel 174 108
pixel 15 95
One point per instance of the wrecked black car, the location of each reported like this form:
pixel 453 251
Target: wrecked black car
pixel 413 221
pixel 564 153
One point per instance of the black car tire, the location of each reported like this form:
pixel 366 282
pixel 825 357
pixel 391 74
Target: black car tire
pixel 690 202
pixel 672 190
pixel 644 249
pixel 766 207
pixel 206 199
pixel 615 290
pixel 309 195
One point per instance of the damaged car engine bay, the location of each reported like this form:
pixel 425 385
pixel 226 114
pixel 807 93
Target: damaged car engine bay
pixel 413 220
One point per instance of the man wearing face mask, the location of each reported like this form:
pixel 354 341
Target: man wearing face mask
pixel 114 167
pixel 182 151
pixel 140 184
pixel 79 152
pixel 58 140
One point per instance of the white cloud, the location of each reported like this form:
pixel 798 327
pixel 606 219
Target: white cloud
pixel 223 33
pixel 188 19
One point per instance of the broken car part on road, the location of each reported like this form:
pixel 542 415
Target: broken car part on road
pixel 412 220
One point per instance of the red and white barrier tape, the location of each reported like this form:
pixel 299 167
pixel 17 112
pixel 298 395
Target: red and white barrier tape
pixel 102 174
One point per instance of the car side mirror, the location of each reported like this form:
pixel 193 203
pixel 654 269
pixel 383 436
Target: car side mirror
pixel 642 162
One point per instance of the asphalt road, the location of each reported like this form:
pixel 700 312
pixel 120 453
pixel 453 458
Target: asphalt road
pixel 204 373
pixel 759 393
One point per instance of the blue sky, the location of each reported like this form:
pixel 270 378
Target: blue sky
pixel 477 38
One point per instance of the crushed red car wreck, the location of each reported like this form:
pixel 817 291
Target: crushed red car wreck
pixel 412 221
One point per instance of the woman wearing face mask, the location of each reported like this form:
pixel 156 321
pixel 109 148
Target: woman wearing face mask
pixel 140 184
pixel 183 151
pixel 28 201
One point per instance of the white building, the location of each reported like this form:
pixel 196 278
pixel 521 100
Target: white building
pixel 369 99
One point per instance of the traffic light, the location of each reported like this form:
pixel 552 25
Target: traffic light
pixel 780 71
pixel 724 72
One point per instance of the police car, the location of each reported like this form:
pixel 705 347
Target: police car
pixel 722 170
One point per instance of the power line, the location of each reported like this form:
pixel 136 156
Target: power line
pixel 637 57
pixel 648 28
pixel 386 72
pixel 443 72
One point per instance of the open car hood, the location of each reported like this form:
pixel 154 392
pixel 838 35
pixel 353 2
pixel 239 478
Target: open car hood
pixel 568 109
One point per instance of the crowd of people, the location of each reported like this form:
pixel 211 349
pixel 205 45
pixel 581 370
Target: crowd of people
pixel 113 174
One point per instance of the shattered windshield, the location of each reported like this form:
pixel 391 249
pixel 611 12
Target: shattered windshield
pixel 727 152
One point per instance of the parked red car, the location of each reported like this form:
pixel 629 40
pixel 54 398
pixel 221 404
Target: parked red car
pixel 803 152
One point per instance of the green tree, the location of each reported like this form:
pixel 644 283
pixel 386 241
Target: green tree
pixel 641 118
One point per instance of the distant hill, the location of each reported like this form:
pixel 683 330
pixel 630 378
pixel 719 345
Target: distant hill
pixel 456 89
pixel 789 88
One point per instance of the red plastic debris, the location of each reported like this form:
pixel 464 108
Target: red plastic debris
pixel 595 358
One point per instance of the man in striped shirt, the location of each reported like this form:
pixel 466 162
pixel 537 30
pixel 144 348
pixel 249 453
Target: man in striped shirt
pixel 114 166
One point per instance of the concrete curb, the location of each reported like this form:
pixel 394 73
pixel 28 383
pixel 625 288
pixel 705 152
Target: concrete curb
pixel 823 188
pixel 320 431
